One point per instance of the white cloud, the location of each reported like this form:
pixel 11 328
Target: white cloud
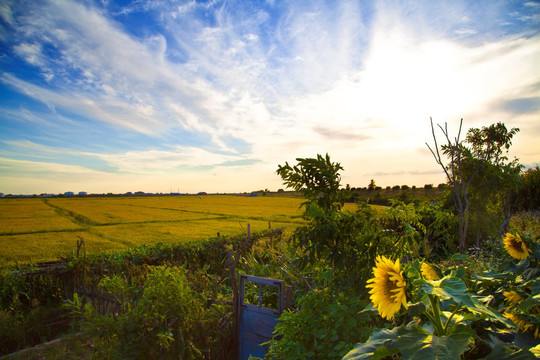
pixel 180 159
pixel 30 52
pixel 322 81
pixel 140 162
pixel 47 169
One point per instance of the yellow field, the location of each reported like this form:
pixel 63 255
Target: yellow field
pixel 35 229
pixel 31 248
pixel 30 215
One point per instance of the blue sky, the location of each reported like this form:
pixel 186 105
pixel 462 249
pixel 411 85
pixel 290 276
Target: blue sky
pixel 116 96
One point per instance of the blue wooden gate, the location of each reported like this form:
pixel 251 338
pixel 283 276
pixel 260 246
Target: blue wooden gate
pixel 261 302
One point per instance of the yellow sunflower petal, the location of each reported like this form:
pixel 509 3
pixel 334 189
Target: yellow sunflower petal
pixel 516 247
pixel 387 287
pixel 428 272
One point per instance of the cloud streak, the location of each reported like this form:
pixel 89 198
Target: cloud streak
pixel 199 85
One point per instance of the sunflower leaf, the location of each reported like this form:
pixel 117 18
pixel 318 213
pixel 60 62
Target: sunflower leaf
pixel 455 289
pixel 378 346
pixel 417 346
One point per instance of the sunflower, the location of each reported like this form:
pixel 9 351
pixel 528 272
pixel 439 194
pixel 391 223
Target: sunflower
pixel 523 324
pixel 516 247
pixel 428 272
pixel 512 297
pixel 387 287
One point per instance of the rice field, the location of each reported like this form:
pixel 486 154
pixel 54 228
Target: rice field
pixel 36 229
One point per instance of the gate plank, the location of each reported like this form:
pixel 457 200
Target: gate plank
pixel 257 323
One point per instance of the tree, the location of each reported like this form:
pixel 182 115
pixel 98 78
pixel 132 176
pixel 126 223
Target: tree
pixel 453 149
pixel 372 185
pixel 495 186
pixel 528 194
pixel 479 169
pixel 343 241
pixel 318 179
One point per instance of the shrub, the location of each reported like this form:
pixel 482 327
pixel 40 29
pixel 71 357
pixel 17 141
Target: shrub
pixel 528 196
pixel 326 326
pixel 162 318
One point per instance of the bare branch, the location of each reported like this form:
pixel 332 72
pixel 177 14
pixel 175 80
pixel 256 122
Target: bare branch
pixel 454 174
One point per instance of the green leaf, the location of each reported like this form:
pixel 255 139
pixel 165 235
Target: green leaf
pixel 378 346
pixel 525 340
pixel 455 289
pixel 416 309
pixel 416 346
pixel 502 351
pixel 460 257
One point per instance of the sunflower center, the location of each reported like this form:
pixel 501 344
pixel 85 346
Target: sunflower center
pixel 516 245
pixel 391 290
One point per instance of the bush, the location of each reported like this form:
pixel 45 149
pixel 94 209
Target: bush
pixel 22 329
pixel 528 197
pixel 326 326
pixel 28 307
pixel 162 318
pixel 379 199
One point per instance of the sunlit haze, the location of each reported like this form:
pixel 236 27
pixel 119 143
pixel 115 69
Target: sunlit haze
pixel 189 96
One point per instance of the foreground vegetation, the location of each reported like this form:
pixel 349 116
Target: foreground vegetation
pixel 455 278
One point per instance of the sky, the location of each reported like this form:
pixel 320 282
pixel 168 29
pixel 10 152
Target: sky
pixel 188 96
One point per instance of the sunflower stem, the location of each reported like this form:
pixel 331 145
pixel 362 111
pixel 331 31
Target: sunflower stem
pixel 436 310
pixel 450 318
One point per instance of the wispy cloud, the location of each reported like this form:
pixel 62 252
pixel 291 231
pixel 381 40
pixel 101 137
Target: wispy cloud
pixel 200 85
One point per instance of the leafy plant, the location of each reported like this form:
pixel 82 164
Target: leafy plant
pixel 158 320
pixel 481 177
pixel 325 327
pixel 318 179
pixel 442 319
pixel 346 242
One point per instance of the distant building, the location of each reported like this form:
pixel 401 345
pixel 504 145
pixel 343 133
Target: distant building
pixel 69 193
pixel 202 193
pixel 1 194
pixel 83 193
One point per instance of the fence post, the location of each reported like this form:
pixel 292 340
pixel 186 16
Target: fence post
pixel 271 235
pixel 232 275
